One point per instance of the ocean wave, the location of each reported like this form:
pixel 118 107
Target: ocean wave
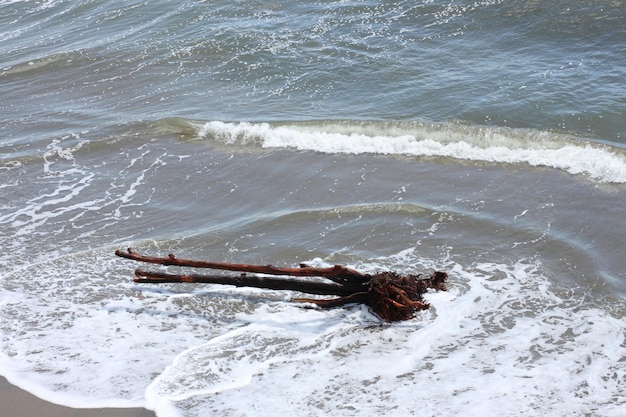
pixel 599 162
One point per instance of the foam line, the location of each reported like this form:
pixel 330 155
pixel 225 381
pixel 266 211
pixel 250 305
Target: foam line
pixel 599 162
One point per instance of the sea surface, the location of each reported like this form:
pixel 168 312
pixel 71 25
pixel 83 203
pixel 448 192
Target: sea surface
pixel 483 138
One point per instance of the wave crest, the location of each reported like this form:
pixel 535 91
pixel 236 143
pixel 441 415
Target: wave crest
pixel 485 144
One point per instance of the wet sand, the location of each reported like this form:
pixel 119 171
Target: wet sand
pixel 15 402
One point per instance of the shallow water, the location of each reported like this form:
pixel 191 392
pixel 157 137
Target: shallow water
pixel 381 136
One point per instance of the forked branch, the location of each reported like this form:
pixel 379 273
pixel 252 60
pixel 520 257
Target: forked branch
pixel 391 296
pixel 337 273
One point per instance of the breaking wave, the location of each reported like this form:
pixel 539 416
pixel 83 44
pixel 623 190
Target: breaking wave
pixel 597 161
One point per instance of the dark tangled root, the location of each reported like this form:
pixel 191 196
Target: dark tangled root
pixel 395 297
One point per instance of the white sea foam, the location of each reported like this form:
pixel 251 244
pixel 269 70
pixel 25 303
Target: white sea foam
pixel 498 346
pixel 79 344
pixel 476 144
pixel 501 341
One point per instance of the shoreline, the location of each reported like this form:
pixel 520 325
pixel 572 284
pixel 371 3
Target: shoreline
pixel 19 403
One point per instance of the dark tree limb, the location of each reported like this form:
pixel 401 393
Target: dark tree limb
pixel 338 273
pixel 391 296
pixel 244 280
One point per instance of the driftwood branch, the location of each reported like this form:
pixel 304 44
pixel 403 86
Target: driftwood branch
pixel 337 273
pixel 244 280
pixel 391 296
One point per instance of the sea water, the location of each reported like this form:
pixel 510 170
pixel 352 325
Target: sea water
pixel 485 139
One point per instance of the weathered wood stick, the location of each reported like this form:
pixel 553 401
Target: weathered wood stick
pixel 337 273
pixel 243 280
